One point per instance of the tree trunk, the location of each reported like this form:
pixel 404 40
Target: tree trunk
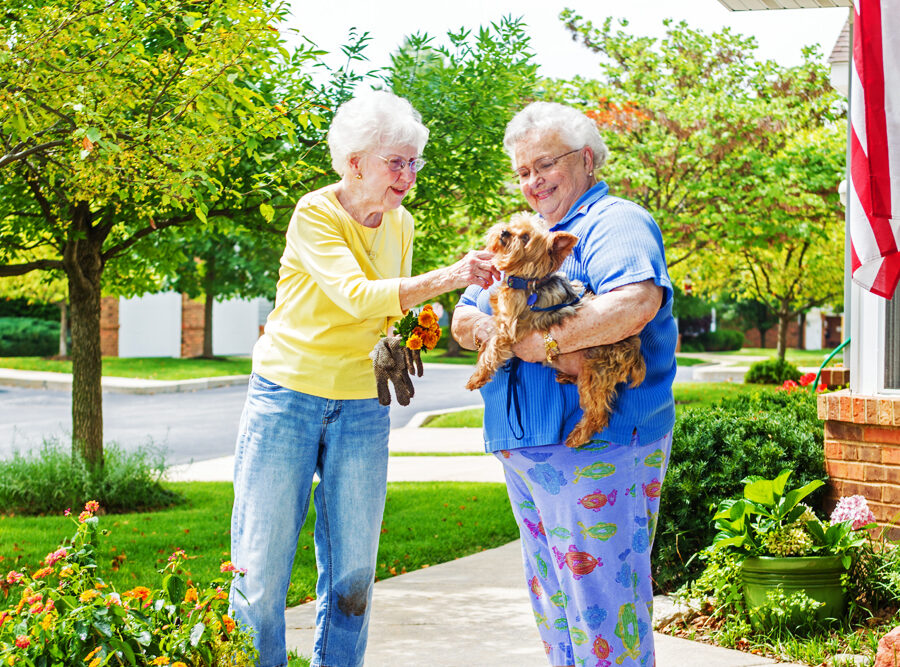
pixel 784 321
pixel 63 329
pixel 209 281
pixel 84 268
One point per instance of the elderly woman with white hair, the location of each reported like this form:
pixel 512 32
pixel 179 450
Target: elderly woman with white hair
pixel 587 515
pixel 311 404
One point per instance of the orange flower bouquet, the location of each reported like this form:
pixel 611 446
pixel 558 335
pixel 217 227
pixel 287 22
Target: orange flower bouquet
pixel 419 332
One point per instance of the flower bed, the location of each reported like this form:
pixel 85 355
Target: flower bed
pixel 64 613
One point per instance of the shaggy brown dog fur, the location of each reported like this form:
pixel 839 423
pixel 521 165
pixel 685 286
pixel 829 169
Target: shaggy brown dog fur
pixel 523 248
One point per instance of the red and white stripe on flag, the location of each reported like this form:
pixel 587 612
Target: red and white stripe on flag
pixel 874 192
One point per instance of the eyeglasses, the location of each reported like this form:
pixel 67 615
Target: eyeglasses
pixel 396 163
pixel 541 165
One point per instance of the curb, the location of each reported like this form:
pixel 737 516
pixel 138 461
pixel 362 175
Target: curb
pixel 117 385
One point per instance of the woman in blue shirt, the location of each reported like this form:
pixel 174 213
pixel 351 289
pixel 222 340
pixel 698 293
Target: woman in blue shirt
pixel 587 516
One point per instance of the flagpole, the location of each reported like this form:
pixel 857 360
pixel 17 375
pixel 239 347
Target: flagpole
pixel 848 271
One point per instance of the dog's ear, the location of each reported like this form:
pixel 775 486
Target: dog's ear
pixel 562 245
pixel 495 234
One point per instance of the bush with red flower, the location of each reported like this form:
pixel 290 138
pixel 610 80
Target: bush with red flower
pixel 804 381
pixel 64 613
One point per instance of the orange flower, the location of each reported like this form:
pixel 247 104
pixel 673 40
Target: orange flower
pixel 229 624
pixel 427 317
pixel 22 641
pixel 191 595
pixel 431 338
pixel 414 342
pixel 91 506
pixel 43 572
pixel 161 660
pixel 141 592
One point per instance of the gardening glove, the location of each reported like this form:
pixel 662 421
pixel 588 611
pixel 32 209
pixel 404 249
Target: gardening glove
pixel 414 361
pixel 389 362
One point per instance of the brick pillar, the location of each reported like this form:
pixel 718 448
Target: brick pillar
pixel 109 326
pixel 192 320
pixel 862 451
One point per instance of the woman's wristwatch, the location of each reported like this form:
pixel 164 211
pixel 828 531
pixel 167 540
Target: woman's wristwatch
pixel 551 347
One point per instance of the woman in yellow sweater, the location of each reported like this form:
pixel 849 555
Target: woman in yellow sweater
pixel 311 404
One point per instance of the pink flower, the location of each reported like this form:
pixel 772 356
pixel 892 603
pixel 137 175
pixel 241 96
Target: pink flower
pixel 806 379
pixel 14 577
pixel 228 566
pixel 55 556
pixel 84 516
pixel 68 511
pixel 91 506
pixel 854 509
pixel 178 554
pixel 22 641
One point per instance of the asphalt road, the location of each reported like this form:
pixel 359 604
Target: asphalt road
pixel 188 426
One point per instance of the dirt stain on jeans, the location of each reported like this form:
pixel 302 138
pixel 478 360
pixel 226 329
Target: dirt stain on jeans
pixel 355 598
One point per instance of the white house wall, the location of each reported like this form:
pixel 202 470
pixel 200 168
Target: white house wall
pixel 150 326
pixel 814 324
pixel 235 326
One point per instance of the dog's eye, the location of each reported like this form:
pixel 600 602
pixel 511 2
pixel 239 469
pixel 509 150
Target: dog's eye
pixel 525 239
pixel 504 236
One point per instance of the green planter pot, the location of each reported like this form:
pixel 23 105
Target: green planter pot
pixel 819 577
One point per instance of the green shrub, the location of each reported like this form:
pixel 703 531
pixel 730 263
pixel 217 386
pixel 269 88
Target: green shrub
pixel 22 308
pixel 52 480
pixel 713 449
pixel 28 337
pixel 722 339
pixel 772 371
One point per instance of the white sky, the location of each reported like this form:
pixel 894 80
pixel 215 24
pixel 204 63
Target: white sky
pixel 780 33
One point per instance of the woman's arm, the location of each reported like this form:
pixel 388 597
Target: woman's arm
pixel 473 269
pixel 606 318
pixel 470 327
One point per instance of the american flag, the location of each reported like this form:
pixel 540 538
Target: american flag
pixel 874 192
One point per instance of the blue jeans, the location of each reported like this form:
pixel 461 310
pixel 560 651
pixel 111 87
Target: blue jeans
pixel 284 437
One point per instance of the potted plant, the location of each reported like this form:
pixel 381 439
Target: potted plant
pixel 793 562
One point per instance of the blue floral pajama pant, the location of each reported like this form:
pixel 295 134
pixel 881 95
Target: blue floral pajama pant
pixel 587 518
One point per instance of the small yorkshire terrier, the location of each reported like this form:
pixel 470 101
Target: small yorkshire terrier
pixel 534 296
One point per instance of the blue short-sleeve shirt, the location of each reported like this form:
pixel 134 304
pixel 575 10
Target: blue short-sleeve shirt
pixel 619 243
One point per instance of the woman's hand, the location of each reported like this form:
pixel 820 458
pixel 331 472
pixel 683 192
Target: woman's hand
pixel 475 268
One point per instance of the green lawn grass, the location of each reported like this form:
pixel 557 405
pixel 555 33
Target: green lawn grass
pixel 793 355
pixel 425 523
pixel 166 368
pixel 687 394
pixel 149 368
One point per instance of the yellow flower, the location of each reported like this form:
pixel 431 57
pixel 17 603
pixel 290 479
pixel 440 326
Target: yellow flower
pixel 179 664
pixel 47 621
pixel 65 572
pixel 161 660
pixel 88 595
pixel 95 662
pixel 414 342
pixel 92 654
pixel 191 595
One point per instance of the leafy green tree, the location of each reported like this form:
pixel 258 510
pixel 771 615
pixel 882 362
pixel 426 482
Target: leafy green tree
pixel 467 92
pixel 689 120
pixel 789 254
pixel 116 123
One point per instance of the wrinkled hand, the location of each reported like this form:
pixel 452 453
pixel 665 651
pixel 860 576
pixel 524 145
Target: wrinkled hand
pixel 389 361
pixel 475 268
